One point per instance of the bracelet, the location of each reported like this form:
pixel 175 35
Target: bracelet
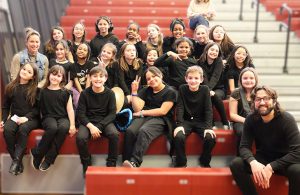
pixel 134 94
pixel 141 114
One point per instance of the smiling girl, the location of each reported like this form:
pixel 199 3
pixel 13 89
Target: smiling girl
pixel 58 119
pixel 20 114
pixel 238 60
pixel 240 101
pixel 212 65
pixel 177 63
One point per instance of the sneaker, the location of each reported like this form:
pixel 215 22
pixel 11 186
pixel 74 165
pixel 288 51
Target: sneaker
pixel 129 164
pixel 215 128
pixel 35 161
pixel 44 166
pixel 225 127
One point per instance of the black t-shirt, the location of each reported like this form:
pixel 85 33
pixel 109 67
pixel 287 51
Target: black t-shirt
pixel 81 72
pixel 66 65
pixel 237 96
pixel 53 103
pixel 234 73
pixel 194 106
pixel 155 100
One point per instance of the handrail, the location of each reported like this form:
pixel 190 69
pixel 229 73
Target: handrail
pixel 288 27
pixel 257 2
pixel 241 10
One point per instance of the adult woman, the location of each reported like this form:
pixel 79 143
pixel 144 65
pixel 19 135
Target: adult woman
pixel 240 101
pixel 200 12
pixel 30 55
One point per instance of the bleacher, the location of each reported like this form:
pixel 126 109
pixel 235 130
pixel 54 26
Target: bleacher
pixel 149 180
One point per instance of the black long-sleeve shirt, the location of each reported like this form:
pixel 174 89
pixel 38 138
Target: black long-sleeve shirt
pixel 177 68
pixel 99 41
pixel 194 106
pixel 213 74
pixel 17 104
pixel 97 108
pixel 278 140
pixel 127 77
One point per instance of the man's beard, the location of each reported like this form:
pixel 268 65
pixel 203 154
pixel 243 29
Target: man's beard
pixel 265 112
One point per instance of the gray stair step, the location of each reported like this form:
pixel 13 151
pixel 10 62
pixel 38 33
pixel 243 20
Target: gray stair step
pixel 288 91
pixel 280 80
pixel 247 16
pixel 264 37
pixel 272 50
pixel 247 26
pixel 291 103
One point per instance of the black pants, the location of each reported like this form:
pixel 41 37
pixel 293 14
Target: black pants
pixel 55 134
pixel 217 101
pixel 130 137
pixel 179 143
pixel 150 129
pixel 16 136
pixel 238 129
pixel 84 135
pixel 241 172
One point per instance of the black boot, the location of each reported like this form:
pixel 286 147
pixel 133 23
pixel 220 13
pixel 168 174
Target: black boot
pixel 86 162
pixel 17 167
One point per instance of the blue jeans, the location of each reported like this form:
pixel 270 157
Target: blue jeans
pixel 197 20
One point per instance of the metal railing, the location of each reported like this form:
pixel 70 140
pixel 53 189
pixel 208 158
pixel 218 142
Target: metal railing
pixel 288 27
pixel 241 10
pixel 257 3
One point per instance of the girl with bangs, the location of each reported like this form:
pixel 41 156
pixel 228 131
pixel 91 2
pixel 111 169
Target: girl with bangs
pixel 61 52
pixel 155 38
pixel 20 114
pixel 78 37
pixel 58 119
pixel 130 66
pixel 57 33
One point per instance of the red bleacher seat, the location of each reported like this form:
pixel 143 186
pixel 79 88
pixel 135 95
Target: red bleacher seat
pixel 118 21
pixel 136 3
pixel 121 31
pixel 125 11
pixel 225 144
pixel 273 5
pixel 161 181
pixel 284 15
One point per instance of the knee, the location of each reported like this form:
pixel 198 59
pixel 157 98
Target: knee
pixel 82 136
pixel 113 135
pixel 236 163
pixel 293 172
pixel 180 137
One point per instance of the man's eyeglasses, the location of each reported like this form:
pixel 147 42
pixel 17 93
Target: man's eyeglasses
pixel 265 99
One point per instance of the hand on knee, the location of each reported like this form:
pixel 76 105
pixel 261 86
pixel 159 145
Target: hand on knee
pixel 177 130
pixel 209 132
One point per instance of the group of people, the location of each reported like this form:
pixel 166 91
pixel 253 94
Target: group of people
pixel 68 90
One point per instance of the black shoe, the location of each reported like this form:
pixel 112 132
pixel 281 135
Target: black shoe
pixel 130 164
pixel 111 163
pixel 44 166
pixel 205 165
pixel 14 167
pixel 20 168
pixel 35 161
